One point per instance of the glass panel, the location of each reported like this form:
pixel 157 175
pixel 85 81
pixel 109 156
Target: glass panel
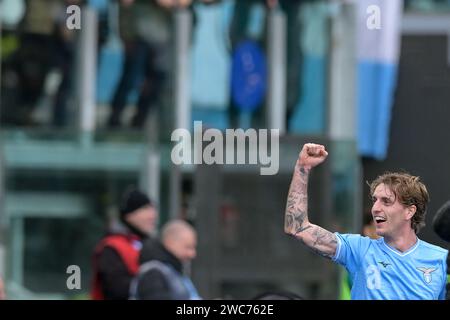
pixel 425 6
pixel 346 186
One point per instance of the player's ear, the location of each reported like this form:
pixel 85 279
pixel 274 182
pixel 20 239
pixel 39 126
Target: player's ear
pixel 411 211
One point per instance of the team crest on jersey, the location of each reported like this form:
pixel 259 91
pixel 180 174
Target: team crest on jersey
pixel 427 273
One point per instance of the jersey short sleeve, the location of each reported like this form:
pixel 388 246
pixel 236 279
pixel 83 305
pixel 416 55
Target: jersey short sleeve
pixel 350 249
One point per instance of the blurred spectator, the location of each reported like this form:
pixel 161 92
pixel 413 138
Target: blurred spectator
pixel 44 44
pixel 145 30
pixel 170 4
pixel 162 265
pixel 295 55
pixel 210 63
pixel 441 222
pixel 116 257
pixel 441 225
pixel 64 62
pixel 11 13
pixel 2 290
pixel 369 229
pixel 34 58
pixel 246 25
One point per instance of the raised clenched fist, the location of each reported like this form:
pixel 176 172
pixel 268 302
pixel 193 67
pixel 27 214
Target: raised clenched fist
pixel 311 155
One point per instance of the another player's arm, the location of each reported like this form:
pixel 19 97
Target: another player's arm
pixel 297 223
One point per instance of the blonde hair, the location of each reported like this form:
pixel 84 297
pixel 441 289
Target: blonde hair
pixel 409 190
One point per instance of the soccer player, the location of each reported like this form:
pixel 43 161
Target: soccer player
pixel 396 266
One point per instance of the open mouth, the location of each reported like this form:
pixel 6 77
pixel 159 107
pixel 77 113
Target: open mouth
pixel 379 220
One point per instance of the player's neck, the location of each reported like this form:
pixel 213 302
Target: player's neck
pixel 402 242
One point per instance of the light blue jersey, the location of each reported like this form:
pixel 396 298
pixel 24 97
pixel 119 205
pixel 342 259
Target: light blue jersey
pixel 381 272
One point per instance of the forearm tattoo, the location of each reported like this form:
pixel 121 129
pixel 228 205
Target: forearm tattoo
pixel 317 238
pixel 297 202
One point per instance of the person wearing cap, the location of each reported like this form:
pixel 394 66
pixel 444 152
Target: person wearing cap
pixel 116 257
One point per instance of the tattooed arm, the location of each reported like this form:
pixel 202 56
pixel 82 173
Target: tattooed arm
pixel 296 218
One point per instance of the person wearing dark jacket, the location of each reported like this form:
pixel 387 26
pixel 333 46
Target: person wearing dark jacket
pixel 116 257
pixel 441 225
pixel 161 274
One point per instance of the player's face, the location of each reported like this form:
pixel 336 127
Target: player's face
pixel 388 213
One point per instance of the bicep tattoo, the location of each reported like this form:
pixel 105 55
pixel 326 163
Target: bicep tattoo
pixel 324 242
